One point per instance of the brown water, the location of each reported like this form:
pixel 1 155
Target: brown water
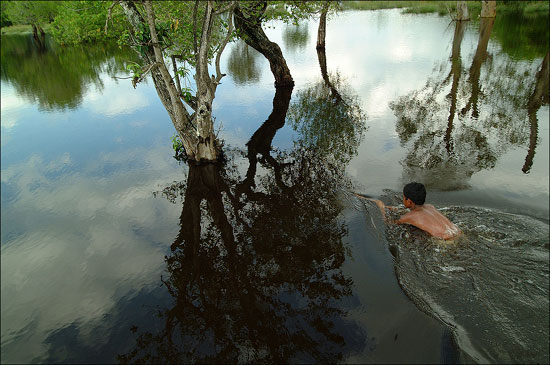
pixel 114 250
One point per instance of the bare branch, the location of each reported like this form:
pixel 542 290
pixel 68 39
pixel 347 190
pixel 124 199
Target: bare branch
pixel 109 15
pixel 192 103
pixel 176 75
pixel 219 75
pixel 223 9
pixel 195 26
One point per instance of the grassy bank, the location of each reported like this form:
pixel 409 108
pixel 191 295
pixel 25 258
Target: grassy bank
pixel 444 7
pixel 21 29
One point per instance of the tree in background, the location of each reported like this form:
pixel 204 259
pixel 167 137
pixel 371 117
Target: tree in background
pixel 462 11
pixel 86 21
pixel 35 13
pixel 488 9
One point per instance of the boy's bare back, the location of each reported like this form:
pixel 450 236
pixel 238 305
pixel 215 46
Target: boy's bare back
pixel 423 216
pixel 429 219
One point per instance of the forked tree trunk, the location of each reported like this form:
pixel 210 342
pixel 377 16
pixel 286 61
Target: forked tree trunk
pixel 206 147
pixel 321 33
pixel 248 22
pixel 462 11
pixel 179 116
pixel 488 9
pixel 199 141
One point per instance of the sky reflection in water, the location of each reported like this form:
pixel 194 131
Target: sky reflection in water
pixel 83 238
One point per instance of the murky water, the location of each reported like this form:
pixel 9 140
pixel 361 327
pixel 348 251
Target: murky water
pixel 114 250
pixel 484 284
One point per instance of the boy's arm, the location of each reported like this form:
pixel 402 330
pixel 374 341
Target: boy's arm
pixel 379 203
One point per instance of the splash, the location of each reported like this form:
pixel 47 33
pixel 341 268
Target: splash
pixel 490 285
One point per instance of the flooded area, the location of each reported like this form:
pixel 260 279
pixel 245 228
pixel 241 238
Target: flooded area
pixel 114 250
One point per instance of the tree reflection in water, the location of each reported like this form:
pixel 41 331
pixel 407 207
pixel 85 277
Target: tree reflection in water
pixel 328 116
pixel 486 115
pixel 58 78
pixel 295 37
pixel 243 63
pixel 256 270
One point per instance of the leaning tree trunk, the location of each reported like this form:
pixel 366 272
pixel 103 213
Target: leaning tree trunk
pixel 462 11
pixel 177 112
pixel 488 9
pixel 321 33
pixel 248 22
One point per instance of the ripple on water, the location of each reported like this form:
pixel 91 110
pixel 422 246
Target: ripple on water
pixel 491 285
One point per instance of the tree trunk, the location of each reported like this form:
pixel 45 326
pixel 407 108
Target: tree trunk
pixel 249 26
pixel 488 9
pixel 39 39
pixel 540 95
pixel 462 11
pixel 164 85
pixel 321 33
pixel 206 148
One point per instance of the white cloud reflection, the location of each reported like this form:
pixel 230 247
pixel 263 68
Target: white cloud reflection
pixel 87 243
pixel 115 98
pixel 10 105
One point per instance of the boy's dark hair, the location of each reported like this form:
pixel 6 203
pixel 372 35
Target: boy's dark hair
pixel 415 192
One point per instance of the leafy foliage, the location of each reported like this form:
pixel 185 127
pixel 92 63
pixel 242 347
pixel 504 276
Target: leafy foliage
pixel 84 21
pixel 30 12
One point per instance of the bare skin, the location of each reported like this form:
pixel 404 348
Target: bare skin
pixel 426 217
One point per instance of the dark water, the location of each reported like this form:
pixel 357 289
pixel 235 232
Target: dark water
pixel 112 250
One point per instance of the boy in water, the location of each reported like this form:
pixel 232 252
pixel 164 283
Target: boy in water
pixel 423 216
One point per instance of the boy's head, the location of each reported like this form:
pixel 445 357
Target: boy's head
pixel 415 192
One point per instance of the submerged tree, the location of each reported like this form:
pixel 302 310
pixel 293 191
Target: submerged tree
pixel 256 270
pixel 488 8
pixel 198 39
pixel 35 13
pixel 248 22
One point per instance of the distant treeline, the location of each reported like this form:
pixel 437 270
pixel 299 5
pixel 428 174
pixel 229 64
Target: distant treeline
pixel 443 7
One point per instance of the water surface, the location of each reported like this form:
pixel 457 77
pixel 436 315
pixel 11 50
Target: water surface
pixel 107 239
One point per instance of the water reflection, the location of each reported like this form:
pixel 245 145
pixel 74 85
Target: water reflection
pixel 57 78
pixel 539 97
pixel 256 269
pixel 523 36
pixel 243 63
pixel 487 112
pixel 296 37
pixel 328 115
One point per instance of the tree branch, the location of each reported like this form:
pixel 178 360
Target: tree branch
pixel 176 75
pixel 195 26
pixel 219 75
pixel 109 16
pixel 223 9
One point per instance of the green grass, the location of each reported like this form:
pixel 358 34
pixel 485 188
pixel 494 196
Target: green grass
pixel 443 7
pixel 536 7
pixel 22 28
